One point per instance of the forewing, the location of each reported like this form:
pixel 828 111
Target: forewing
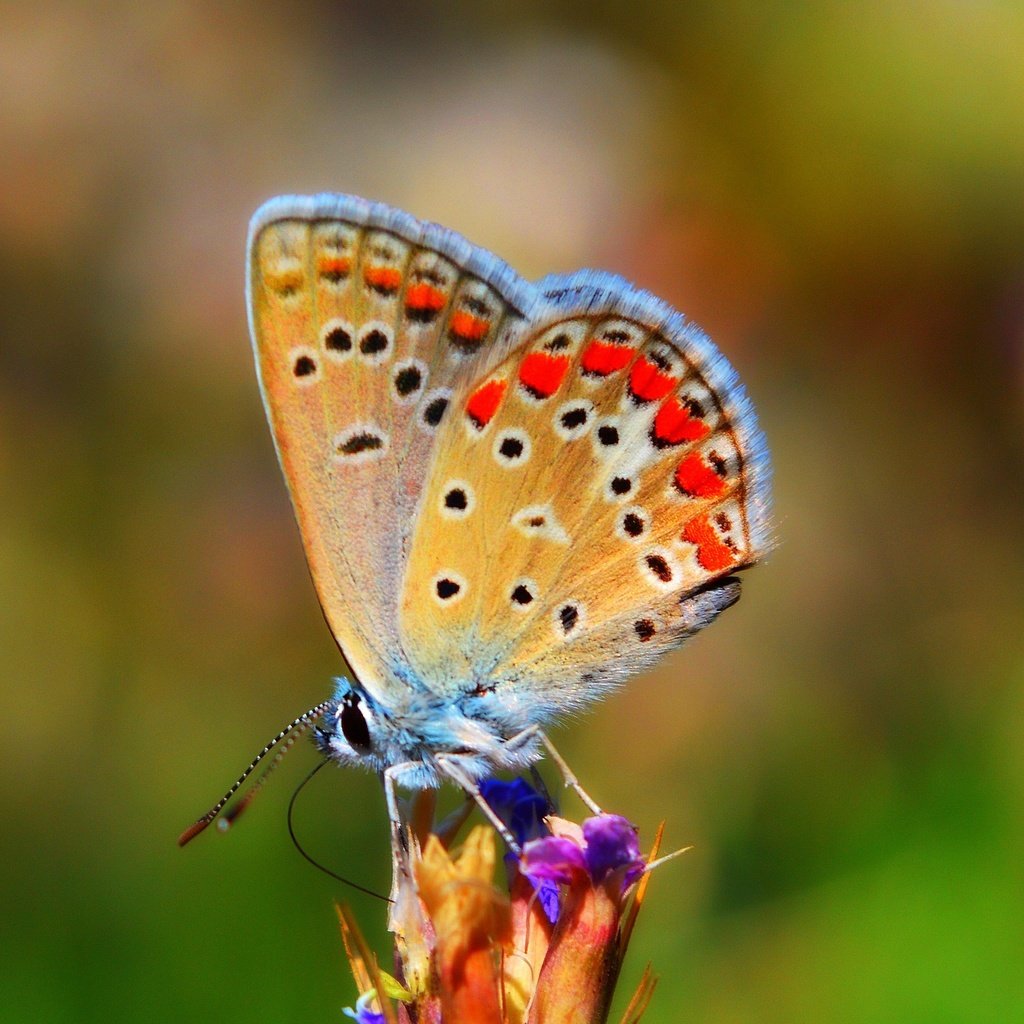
pixel 364 322
pixel 589 500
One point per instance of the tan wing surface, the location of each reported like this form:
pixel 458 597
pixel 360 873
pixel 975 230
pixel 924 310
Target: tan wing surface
pixel 587 498
pixel 364 323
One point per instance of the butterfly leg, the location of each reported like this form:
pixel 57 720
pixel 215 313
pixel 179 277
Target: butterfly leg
pixel 398 843
pixel 457 774
pixel 568 776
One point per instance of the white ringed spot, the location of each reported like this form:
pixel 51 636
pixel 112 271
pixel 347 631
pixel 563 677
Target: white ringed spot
pixel 660 568
pixel 568 619
pixel 448 587
pixel 457 500
pixel 408 379
pixel 647 628
pixel 632 523
pixel 619 487
pixel 337 339
pixel 541 522
pixel 607 436
pixel 512 447
pixel 304 364
pixel 573 419
pixel 523 593
pixel 375 342
pixel 362 442
pixel 432 409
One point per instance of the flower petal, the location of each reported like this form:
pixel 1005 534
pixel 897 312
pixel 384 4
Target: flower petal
pixel 519 806
pixel 472 925
pixel 611 846
pixel 552 859
pixel 364 1013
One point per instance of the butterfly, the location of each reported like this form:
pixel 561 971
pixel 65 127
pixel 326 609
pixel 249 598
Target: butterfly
pixel 511 495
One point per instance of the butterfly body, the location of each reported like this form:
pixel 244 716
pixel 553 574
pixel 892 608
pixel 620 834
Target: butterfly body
pixel 407 735
pixel 511 495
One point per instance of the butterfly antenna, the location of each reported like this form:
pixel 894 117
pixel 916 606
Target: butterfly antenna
pixel 232 814
pixel 290 733
pixel 298 846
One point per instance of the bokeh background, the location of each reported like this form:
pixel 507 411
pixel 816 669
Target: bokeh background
pixel 835 191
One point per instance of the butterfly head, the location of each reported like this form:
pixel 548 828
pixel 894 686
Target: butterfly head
pixel 407 737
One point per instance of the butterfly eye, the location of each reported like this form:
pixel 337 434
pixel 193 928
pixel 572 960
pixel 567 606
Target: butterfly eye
pixel 354 727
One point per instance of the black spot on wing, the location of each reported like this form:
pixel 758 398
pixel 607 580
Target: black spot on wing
pixel 408 380
pixel 338 340
pixel 304 366
pixel 434 411
pixel 568 616
pixel 644 629
pixel 364 442
pixel 456 499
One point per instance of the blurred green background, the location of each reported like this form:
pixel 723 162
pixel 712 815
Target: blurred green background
pixel 835 191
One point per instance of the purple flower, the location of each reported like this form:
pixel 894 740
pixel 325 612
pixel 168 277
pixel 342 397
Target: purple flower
pixel 598 864
pixel 523 810
pixel 608 848
pixel 363 1013
pixel 519 806
pixel 612 846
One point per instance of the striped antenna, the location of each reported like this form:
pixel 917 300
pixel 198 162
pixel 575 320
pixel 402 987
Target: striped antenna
pixel 290 733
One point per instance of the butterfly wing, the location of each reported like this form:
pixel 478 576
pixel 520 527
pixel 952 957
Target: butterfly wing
pixel 364 322
pixel 589 500
pixel 534 489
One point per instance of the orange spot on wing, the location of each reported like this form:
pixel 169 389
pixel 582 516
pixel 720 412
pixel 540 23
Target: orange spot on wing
pixel 333 266
pixel 467 327
pixel 484 402
pixel 424 296
pixel 712 553
pixel 674 423
pixel 648 382
pixel 542 373
pixel 695 478
pixel 383 279
pixel 601 358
